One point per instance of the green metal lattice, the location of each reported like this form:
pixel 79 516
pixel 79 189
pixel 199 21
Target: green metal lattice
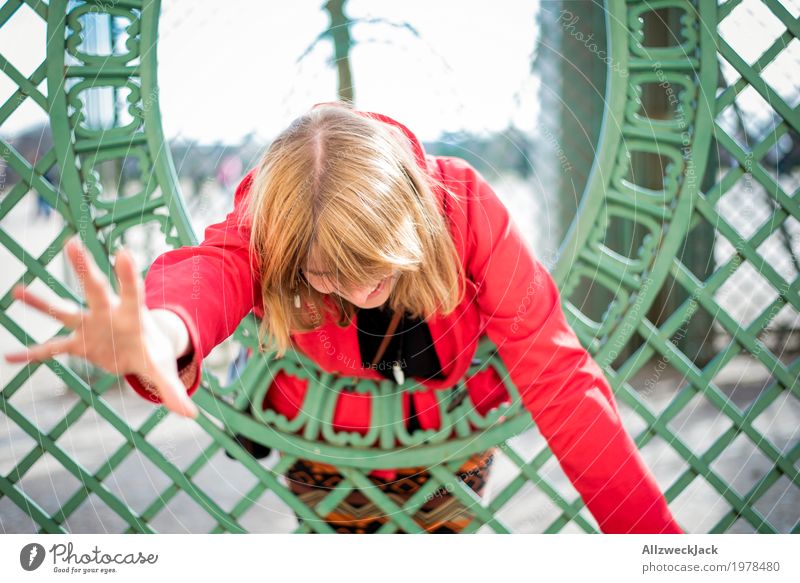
pixel 689 65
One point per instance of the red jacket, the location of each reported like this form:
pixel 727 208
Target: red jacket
pixel 511 297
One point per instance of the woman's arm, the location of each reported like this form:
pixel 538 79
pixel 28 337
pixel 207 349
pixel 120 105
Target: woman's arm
pixel 172 325
pixel 200 294
pixel 559 382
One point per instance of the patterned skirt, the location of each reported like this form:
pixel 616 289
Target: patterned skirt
pixel 312 481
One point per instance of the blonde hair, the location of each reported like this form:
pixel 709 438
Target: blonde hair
pixel 347 188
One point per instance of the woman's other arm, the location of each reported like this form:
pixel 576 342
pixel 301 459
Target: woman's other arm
pixel 559 382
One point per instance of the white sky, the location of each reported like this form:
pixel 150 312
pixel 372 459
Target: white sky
pixel 226 69
pixel 237 60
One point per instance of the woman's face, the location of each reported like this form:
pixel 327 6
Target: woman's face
pixel 370 295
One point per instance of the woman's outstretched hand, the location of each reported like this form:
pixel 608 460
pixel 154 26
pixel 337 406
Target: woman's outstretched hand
pixel 117 333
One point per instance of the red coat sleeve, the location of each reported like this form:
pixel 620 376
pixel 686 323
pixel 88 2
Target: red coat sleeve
pixel 211 286
pixel 559 382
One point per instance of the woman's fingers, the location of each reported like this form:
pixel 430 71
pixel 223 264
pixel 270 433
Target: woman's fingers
pixel 130 291
pixel 95 287
pixel 68 315
pixel 173 395
pixel 183 405
pixel 43 351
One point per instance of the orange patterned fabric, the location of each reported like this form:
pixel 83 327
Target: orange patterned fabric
pixel 441 512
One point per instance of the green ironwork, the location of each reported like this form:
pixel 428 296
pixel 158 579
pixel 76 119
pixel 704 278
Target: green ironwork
pixel 668 214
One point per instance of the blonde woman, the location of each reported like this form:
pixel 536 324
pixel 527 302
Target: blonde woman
pixel 376 260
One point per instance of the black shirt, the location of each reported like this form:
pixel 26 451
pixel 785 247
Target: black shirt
pixel 411 346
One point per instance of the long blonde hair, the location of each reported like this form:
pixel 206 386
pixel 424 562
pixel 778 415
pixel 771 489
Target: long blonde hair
pixel 348 188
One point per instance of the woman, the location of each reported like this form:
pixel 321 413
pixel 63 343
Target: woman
pixel 357 248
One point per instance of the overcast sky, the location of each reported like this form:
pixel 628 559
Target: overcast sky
pixel 463 72
pixel 227 69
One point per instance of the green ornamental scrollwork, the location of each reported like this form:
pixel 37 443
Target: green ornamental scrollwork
pixel 687 71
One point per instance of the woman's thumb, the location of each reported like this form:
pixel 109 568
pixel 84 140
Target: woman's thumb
pixel 176 399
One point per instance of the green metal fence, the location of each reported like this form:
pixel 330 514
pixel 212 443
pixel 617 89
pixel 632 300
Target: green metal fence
pixel 687 66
